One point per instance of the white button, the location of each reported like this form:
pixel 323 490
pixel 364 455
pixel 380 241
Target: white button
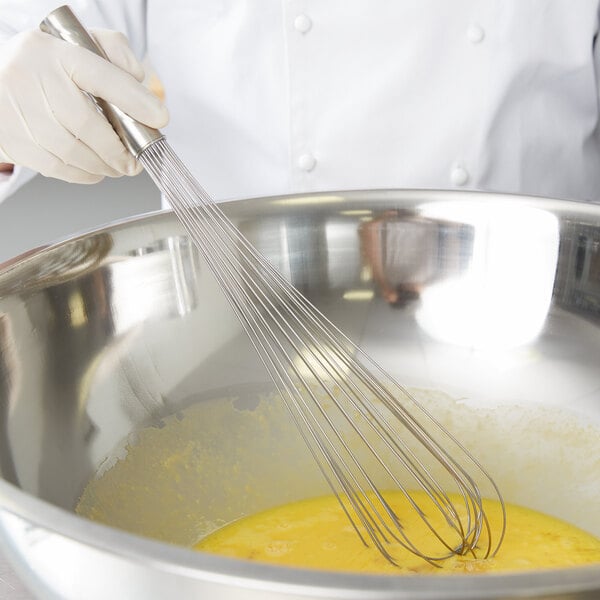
pixel 302 23
pixel 475 33
pixel 459 175
pixel 307 162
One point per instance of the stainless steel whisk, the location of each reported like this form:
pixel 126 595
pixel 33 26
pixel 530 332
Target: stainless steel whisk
pixel 366 432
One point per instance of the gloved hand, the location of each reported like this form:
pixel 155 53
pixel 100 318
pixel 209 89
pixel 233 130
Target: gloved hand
pixel 50 126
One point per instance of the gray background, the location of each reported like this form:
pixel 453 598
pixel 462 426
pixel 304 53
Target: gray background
pixel 46 210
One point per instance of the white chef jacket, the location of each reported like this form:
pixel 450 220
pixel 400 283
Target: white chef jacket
pixel 278 96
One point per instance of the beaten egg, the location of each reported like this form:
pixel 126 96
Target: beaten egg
pixel 316 533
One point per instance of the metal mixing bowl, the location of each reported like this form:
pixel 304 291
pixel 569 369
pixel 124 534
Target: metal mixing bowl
pixel 487 305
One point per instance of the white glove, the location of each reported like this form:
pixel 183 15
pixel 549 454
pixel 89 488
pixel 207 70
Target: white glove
pixel 50 126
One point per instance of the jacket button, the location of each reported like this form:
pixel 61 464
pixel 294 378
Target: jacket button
pixel 307 162
pixel 302 23
pixel 475 33
pixel 459 175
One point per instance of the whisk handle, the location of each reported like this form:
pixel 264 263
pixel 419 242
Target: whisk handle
pixel 62 23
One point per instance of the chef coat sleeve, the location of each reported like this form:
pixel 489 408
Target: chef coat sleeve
pixel 127 16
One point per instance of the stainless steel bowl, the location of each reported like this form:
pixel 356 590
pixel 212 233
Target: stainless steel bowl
pixel 487 305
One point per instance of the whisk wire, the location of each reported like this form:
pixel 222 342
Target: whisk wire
pixel 357 464
pixel 303 352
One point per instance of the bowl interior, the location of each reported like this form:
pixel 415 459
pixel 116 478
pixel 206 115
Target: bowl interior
pixel 122 365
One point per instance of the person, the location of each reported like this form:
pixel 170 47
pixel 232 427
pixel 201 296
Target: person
pixel 401 252
pixel 280 97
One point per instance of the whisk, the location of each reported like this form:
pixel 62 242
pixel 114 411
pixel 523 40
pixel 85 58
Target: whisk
pixel 366 432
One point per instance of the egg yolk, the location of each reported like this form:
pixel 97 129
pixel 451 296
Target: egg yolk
pixel 316 533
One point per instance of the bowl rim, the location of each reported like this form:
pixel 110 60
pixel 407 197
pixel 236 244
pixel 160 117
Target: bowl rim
pixel 202 566
pixel 326 198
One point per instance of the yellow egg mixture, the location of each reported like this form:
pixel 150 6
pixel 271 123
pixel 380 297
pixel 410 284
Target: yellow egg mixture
pixel 316 533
